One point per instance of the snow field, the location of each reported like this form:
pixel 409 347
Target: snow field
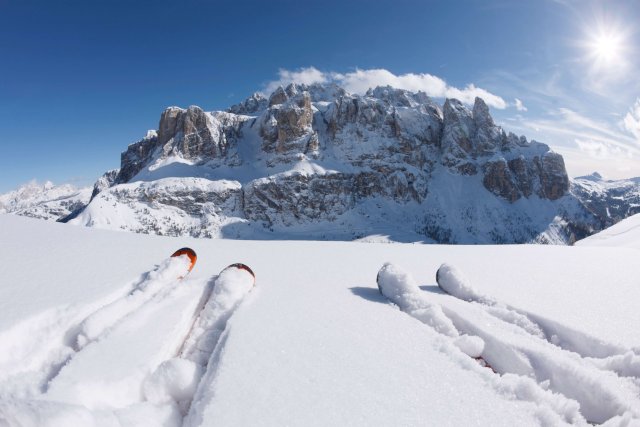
pixel 315 344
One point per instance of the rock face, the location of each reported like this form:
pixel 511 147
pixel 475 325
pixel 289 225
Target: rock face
pixel 319 162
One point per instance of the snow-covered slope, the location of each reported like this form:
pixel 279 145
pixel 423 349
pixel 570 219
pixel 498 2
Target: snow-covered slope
pixel 314 343
pixel 626 233
pixel 44 201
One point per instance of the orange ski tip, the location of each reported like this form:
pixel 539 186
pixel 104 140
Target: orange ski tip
pixel 244 267
pixel 188 252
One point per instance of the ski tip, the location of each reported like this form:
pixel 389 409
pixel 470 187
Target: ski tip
pixel 441 275
pixel 188 252
pixel 244 267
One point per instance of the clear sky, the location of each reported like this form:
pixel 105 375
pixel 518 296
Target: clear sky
pixel 80 80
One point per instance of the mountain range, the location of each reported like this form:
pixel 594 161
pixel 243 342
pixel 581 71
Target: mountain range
pixel 316 162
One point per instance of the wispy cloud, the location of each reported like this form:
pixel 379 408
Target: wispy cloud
pixel 568 123
pixel 519 105
pixel 359 81
pixel 631 121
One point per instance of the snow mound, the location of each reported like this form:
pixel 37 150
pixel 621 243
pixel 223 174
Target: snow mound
pixel 470 345
pixel 174 380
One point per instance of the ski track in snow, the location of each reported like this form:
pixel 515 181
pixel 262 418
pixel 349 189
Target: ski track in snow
pixel 606 355
pixel 604 378
pixel 50 340
pixel 164 371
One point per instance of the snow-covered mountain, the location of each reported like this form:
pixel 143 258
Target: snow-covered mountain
pixel 609 201
pixel 317 162
pixel 45 201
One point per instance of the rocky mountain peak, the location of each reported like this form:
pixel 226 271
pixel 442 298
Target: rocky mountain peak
pixel 256 102
pixel 481 115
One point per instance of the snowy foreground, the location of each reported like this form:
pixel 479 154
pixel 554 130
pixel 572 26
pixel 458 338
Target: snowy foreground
pixel 93 326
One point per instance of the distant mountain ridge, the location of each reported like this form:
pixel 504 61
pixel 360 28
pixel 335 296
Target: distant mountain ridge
pixel 315 162
pixel 45 201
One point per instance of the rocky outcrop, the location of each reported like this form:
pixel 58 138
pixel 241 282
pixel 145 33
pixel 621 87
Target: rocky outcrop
pixel 137 156
pixel 512 168
pixel 191 134
pixel 553 176
pixel 286 127
pixel 105 181
pixel 299 198
pixel 255 103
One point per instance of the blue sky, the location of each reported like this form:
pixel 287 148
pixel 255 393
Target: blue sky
pixel 81 80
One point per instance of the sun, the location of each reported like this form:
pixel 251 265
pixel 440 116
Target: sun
pixel 606 48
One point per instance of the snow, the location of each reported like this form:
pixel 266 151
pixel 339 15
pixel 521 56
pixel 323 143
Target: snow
pixel 626 233
pixel 174 380
pixel 314 342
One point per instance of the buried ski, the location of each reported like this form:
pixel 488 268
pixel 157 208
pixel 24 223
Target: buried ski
pixel 400 288
pixel 229 289
pixel 171 270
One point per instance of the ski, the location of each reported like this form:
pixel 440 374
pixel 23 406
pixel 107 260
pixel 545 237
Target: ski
pixel 190 253
pixel 150 285
pixel 453 282
pixel 229 289
pixel 399 287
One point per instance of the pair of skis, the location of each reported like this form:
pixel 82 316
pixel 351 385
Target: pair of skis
pixel 109 354
pixel 400 288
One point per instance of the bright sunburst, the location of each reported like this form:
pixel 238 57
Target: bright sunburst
pixel 606 48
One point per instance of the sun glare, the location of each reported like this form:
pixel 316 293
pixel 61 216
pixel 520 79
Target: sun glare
pixel 606 48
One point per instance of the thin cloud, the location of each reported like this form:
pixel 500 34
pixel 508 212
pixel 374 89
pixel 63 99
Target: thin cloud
pixel 519 105
pixel 631 122
pixel 579 121
pixel 359 81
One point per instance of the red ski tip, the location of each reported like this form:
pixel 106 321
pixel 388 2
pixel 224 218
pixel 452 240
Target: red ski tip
pixel 242 266
pixel 188 252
